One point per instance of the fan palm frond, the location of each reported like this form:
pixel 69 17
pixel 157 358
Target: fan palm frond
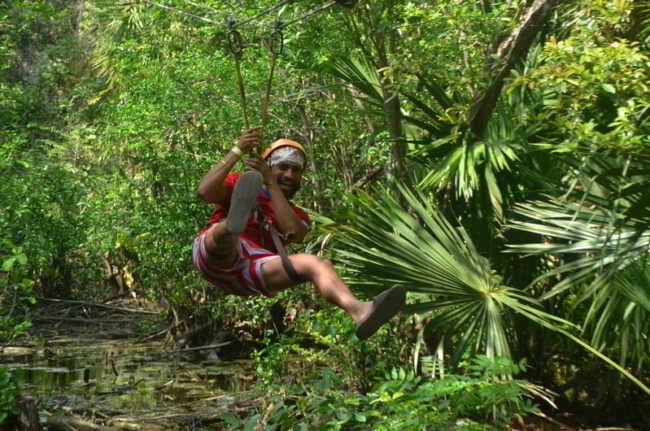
pixel 609 272
pixel 440 266
pixel 116 22
pixel 584 230
pixel 364 78
pixel 620 316
pixel 359 74
pixel 432 258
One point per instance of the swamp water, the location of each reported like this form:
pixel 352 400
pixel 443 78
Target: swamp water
pixel 122 382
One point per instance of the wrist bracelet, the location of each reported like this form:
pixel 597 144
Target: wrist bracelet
pixel 237 151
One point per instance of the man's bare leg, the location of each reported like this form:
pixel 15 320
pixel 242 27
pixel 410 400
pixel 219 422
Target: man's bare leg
pixel 220 244
pixel 322 274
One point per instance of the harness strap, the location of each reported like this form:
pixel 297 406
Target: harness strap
pixel 275 235
pixel 236 46
pixel 275 46
pixel 286 262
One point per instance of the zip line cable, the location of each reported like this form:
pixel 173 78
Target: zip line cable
pixel 264 12
pixel 344 3
pixel 184 13
pixel 208 8
pixel 311 13
pixel 228 14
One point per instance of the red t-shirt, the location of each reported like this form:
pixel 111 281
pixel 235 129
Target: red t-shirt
pixel 254 231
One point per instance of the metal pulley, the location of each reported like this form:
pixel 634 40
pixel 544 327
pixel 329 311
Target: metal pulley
pixel 346 3
pixel 235 39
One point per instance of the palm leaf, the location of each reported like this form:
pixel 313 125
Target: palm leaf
pixel 360 74
pixel 426 253
pixel 588 231
pixel 438 263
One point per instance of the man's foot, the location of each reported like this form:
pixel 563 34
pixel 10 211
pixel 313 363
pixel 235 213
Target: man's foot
pixel 384 306
pixel 243 198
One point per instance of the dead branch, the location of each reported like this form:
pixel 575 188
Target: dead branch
pixel 368 177
pixel 67 423
pixel 72 319
pixel 192 349
pixel 94 304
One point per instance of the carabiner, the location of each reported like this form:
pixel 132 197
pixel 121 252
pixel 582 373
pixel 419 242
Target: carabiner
pixel 235 40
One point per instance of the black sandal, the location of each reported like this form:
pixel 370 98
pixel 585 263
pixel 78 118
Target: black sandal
pixel 244 196
pixel 384 307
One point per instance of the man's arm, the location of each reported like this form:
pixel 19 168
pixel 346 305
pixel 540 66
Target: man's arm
pixel 211 188
pixel 288 220
pixel 285 216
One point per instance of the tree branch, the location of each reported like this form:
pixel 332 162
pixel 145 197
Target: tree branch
pixel 511 51
pixel 369 176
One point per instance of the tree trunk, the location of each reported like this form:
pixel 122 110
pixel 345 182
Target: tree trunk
pixel 314 163
pixel 510 52
pixel 392 111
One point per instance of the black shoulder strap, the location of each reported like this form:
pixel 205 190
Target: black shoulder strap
pixel 286 262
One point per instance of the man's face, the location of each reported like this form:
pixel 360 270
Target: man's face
pixel 288 175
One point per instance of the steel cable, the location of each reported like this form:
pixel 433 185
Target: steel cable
pixel 184 13
pixel 246 20
pixel 264 12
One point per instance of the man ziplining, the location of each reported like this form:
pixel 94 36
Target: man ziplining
pixel 236 250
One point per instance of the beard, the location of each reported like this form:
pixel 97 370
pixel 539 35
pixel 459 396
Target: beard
pixel 289 194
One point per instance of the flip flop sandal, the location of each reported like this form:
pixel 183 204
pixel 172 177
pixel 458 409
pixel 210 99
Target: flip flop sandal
pixel 384 306
pixel 243 198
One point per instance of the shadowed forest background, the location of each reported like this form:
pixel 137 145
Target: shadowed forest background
pixel 491 156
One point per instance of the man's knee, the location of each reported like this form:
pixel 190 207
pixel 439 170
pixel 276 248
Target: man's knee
pixel 219 246
pixel 310 265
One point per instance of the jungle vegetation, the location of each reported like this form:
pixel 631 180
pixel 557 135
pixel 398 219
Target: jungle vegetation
pixel 492 156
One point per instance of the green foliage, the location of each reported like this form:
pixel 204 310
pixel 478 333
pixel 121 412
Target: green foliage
pixel 425 253
pixel 8 394
pixel 15 289
pixel 399 400
pixel 40 194
pixel 324 335
pixel 111 113
pixel 272 358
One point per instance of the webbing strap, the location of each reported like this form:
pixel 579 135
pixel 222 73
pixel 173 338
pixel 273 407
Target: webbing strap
pixel 275 47
pixel 286 262
pixel 236 46
pixel 275 236
pixel 242 92
pixel 267 95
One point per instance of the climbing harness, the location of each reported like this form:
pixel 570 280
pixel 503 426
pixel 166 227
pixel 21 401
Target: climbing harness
pixel 286 262
pixel 267 225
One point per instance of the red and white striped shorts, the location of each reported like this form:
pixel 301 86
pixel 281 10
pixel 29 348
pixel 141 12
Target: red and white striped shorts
pixel 244 277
